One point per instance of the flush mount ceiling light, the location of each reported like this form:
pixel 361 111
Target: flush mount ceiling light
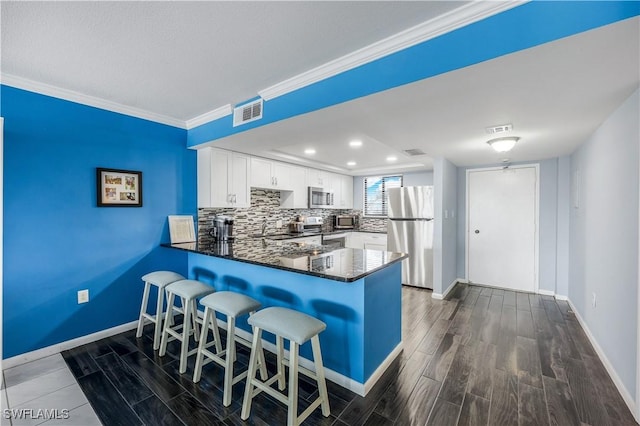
pixel 309 151
pixel 355 143
pixel 392 158
pixel 351 163
pixel 503 144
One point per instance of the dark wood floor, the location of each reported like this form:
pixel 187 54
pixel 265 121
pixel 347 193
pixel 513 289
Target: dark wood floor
pixel 482 357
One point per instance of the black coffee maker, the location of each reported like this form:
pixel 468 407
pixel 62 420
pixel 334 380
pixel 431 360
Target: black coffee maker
pixel 222 229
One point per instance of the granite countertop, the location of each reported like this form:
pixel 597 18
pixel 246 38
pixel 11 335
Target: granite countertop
pixel 344 264
pixel 291 235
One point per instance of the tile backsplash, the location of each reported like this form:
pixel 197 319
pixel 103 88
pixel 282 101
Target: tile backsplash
pixel 265 204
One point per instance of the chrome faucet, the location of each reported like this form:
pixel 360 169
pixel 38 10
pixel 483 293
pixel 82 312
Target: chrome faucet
pixel 264 227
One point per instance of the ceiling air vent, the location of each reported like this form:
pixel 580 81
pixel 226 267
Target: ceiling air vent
pixel 499 129
pixel 247 113
pixel 414 152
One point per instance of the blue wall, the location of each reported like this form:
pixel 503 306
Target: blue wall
pixel 56 241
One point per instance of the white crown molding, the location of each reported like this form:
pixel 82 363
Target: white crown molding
pixel 217 113
pixel 457 18
pixel 70 95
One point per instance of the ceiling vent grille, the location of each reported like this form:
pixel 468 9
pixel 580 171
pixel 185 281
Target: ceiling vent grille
pixel 414 152
pixel 499 129
pixel 247 113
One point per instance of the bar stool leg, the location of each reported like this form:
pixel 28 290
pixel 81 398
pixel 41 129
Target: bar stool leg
pixel 216 333
pixel 256 347
pixel 165 331
pixel 143 308
pixel 292 413
pixel 280 361
pixel 203 340
pixel 229 360
pixel 158 330
pixel 194 317
pixel 186 330
pixel 322 384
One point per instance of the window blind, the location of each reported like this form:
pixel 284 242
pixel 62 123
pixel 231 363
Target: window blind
pixel 375 193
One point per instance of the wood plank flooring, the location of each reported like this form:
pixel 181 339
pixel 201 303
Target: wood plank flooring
pixel 483 357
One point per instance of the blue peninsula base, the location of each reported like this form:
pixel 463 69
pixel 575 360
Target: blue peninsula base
pixel 363 317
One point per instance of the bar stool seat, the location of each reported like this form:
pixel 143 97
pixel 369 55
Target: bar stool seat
pixel 159 279
pixel 298 328
pixel 232 305
pixel 189 291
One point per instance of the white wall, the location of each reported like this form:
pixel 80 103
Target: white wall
pixel 408 179
pixel 603 251
pixel 445 184
pixel 549 178
pixel 562 233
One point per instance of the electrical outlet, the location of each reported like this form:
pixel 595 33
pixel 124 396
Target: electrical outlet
pixel 278 224
pixel 593 300
pixel 83 296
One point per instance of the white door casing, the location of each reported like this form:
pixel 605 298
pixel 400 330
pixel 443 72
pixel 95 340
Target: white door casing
pixel 501 227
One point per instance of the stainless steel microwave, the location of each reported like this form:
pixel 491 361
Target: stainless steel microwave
pixel 320 198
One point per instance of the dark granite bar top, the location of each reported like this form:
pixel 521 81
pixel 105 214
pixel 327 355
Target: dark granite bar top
pixel 344 264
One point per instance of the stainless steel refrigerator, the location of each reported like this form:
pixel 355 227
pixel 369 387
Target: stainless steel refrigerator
pixel 410 230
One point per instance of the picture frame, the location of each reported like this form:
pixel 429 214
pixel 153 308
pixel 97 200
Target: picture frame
pixel 118 188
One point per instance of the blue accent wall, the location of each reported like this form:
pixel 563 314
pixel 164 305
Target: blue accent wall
pixel 363 317
pixel 519 28
pixel 56 241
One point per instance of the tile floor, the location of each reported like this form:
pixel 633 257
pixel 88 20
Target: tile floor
pixel 44 384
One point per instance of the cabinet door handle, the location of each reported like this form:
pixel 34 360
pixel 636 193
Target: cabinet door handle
pixel 235 198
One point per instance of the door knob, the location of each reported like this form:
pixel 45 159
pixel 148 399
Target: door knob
pixel 477 231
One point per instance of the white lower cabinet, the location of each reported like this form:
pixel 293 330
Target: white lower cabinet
pixel 367 241
pixel 308 240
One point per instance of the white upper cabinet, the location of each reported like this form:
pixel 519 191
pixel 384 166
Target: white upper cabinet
pixel 297 198
pixel 318 178
pixel 270 174
pixel 347 192
pixel 223 178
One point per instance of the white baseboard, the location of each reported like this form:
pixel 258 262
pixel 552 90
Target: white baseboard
pixel 628 399
pixel 444 294
pixel 337 378
pixel 561 297
pixel 546 292
pixel 68 344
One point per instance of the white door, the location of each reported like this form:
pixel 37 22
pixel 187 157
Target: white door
pixel 501 227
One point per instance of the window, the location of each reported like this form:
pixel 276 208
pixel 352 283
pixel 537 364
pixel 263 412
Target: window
pixel 375 193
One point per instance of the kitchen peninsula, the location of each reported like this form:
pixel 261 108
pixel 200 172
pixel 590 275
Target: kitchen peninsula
pixel 357 293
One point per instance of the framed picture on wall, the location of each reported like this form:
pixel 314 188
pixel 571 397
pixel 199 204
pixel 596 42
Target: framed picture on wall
pixel 118 188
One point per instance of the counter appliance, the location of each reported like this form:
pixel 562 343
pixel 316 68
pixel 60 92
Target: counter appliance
pixel 410 230
pixel 345 221
pixel 222 228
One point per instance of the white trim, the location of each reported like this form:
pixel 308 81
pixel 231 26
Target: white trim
pixel 628 399
pixel 536 236
pixel 207 117
pixel 70 95
pixel 335 377
pixel 450 21
pixel 68 344
pixel 546 292
pixel 445 293
pixel 561 297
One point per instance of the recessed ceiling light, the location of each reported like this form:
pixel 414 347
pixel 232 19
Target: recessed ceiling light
pixel 351 163
pixel 392 158
pixel 355 143
pixel 309 151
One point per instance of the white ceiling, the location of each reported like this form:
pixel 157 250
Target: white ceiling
pixel 182 59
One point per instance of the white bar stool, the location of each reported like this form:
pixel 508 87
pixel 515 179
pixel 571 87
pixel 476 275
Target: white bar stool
pixel 232 305
pixel 297 328
pixel 159 279
pixel 189 291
